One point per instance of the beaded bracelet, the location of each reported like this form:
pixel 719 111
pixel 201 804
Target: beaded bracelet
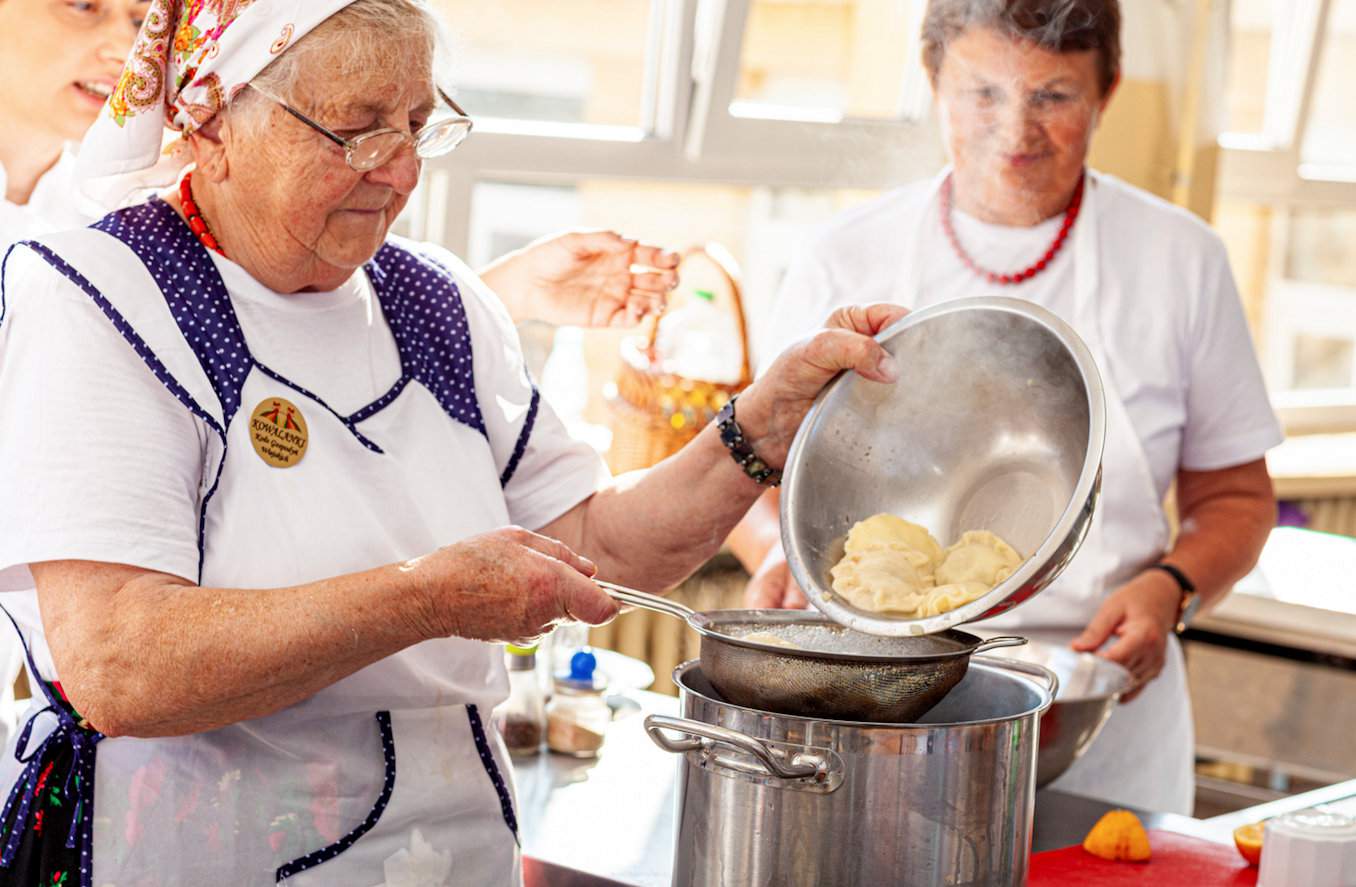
pixel 733 437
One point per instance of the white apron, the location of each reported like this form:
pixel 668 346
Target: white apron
pixel 1145 754
pixel 393 775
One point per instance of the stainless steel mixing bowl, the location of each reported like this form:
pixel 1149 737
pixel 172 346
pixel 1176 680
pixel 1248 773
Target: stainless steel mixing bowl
pixel 997 423
pixel 1089 688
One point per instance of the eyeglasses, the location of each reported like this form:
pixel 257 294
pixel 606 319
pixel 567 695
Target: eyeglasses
pixel 370 150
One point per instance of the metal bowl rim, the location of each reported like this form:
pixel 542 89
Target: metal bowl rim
pixel 988 664
pixel 701 624
pixel 990 604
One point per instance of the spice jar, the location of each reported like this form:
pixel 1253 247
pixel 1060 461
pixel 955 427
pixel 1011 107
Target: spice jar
pixel 577 716
pixel 522 718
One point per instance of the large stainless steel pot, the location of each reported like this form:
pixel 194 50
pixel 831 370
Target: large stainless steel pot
pixel 768 799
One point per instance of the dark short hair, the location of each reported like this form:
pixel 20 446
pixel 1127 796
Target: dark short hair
pixel 1059 25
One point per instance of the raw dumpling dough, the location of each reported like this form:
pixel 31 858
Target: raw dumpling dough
pixel 889 565
pixel 979 556
pixel 896 567
pixel 884 579
pixel 888 530
pixel 945 598
pixel 767 637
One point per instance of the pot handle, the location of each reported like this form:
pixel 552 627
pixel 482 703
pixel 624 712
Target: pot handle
pixel 1050 679
pixel 995 643
pixel 701 737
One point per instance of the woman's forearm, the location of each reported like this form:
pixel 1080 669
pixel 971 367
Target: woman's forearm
pixel 653 528
pixel 146 654
pixel 1226 518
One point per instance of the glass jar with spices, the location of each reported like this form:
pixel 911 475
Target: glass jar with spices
pixel 522 717
pixel 577 716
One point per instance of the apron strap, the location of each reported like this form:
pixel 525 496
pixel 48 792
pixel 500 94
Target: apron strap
pixel 424 309
pixel 40 767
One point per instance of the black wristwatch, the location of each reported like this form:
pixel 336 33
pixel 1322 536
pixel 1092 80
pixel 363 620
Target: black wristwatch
pixel 1190 601
pixel 733 437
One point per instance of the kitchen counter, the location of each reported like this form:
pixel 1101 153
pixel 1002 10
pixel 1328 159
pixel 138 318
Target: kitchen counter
pixel 1301 599
pixel 610 821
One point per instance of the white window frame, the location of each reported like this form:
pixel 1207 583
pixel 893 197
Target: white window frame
pixel 1268 168
pixel 687 134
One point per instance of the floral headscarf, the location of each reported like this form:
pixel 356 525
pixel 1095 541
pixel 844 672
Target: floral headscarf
pixel 190 59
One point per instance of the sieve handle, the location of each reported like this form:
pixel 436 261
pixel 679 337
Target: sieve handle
pixel 995 643
pixel 645 600
pixel 705 737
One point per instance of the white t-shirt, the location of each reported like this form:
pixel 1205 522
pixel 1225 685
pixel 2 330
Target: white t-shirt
pixel 54 205
pixel 1172 321
pixel 105 464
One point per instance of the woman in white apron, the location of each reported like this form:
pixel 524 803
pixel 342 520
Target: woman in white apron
pixel 71 55
pixel 1019 88
pixel 265 470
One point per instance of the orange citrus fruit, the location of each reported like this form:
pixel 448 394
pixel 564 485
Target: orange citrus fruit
pixel 1118 836
pixel 1248 839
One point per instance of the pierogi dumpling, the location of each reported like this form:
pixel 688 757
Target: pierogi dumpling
pixel 888 530
pixel 979 556
pixel 772 640
pixel 883 579
pixel 945 598
pixel 895 567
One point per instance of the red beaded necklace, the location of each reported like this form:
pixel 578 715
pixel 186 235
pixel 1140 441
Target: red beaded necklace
pixel 194 217
pixel 1070 216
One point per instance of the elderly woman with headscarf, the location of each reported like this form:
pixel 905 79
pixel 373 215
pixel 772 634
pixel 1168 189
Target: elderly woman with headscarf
pixel 71 55
pixel 1020 86
pixel 265 461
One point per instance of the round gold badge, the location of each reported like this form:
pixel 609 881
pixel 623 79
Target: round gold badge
pixel 278 432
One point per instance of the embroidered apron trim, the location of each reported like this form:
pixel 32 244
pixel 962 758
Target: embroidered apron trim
pixel 521 446
pixel 64 759
pixel 325 854
pixel 492 770
pixel 156 367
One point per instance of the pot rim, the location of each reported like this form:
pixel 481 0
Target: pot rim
pixel 1047 697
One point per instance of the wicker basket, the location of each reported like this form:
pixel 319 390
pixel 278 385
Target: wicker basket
pixel 653 413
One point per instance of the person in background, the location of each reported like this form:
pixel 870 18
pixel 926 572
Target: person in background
pixel 1020 86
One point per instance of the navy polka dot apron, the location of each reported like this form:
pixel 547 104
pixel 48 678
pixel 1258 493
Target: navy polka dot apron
pixel 382 776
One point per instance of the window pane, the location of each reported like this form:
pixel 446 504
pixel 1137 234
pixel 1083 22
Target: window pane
pixel 1250 31
pixel 1322 362
pixel 1323 248
pixel 1331 135
pixel 563 61
pixel 830 59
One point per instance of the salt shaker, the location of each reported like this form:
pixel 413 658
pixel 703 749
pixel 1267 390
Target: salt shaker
pixel 522 717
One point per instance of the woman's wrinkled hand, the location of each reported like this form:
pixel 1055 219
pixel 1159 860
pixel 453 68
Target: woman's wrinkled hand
pixel 1141 616
pixel 771 586
pixel 507 585
pixel 586 279
pixel 771 409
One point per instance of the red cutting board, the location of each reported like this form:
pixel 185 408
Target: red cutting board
pixel 1178 861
